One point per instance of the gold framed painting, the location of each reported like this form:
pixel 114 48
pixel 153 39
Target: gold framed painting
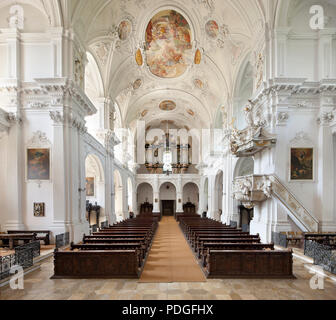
pixel 90 187
pixel 301 164
pixel 39 209
pixel 38 164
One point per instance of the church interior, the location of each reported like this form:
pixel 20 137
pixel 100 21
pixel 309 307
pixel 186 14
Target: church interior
pixel 168 149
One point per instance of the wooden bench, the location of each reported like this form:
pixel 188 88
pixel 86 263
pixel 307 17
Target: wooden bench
pixel 45 237
pixel 249 264
pixel 202 236
pixel 112 246
pixel 201 241
pixel 133 237
pixel 207 246
pixel 10 239
pixel 96 264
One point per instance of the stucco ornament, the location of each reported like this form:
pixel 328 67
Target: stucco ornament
pixel 252 189
pixel 252 139
pixel 16 18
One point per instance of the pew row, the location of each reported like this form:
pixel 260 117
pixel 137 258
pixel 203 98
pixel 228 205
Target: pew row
pixel 96 264
pixel 249 264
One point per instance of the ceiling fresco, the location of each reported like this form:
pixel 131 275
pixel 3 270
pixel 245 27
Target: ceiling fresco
pixel 168 44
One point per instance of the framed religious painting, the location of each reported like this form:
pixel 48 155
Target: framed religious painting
pixel 90 187
pixel 39 209
pixel 301 164
pixel 38 164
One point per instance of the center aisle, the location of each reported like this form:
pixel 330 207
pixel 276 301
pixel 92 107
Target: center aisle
pixel 170 258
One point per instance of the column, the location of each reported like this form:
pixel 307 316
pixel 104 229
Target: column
pixel 15 178
pixel 156 195
pixel 324 164
pixel 179 195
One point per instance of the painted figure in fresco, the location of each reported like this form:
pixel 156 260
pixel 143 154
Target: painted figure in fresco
pixel 168 44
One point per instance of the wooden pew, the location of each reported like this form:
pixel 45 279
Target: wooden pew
pixel 96 264
pixel 249 264
pixel 12 238
pixel 111 246
pixel 200 243
pixel 133 237
pixel 205 247
pixel 227 252
pixel 45 237
pixel 202 236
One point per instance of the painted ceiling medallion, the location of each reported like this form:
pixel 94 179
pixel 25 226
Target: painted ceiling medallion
pixel 138 57
pixel 212 29
pixel 137 84
pixel 124 30
pixel 168 44
pixel 167 105
pixel 198 57
pixel 199 84
pixel 192 113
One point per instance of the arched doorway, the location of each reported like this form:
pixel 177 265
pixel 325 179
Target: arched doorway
pixel 218 204
pixel 95 190
pixel 168 199
pixel 145 198
pixel 244 216
pixel 118 196
pixel 190 198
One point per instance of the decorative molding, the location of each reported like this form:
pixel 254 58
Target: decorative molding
pixel 301 139
pixel 39 139
pixel 37 105
pixel 325 118
pixel 254 138
pixel 252 189
pixel 4 124
pixel 282 118
pixel 14 119
pixel 102 51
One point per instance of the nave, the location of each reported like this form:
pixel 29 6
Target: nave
pixel 171 272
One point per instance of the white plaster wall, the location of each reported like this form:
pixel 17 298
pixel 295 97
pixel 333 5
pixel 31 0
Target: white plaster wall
pixel 167 194
pixel 301 59
pixel 3 61
pixel 190 191
pixel 145 192
pixel 36 61
pixel 32 192
pixel 306 192
pixel 3 177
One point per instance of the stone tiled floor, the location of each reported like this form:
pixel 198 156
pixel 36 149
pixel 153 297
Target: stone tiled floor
pixel 38 286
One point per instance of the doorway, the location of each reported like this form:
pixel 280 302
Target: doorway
pixel 168 207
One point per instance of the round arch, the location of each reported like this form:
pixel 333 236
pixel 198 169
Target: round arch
pixel 190 193
pixel 145 197
pixel 167 182
pixel 95 188
pixel 243 167
pixel 167 193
